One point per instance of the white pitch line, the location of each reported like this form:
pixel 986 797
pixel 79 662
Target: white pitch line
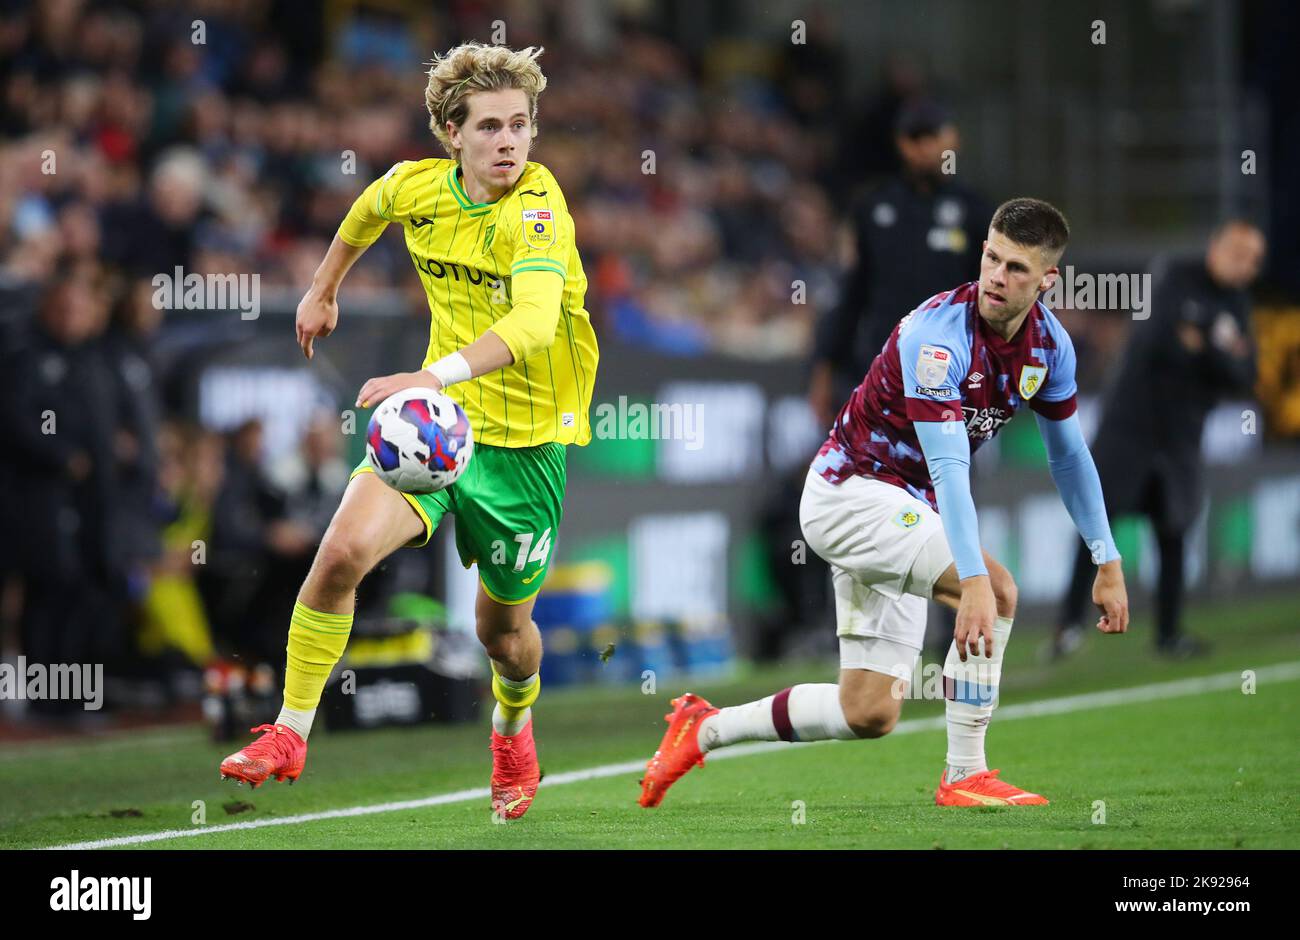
pixel 1280 672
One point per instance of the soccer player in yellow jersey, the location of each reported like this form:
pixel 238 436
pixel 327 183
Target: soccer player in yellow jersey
pixel 493 244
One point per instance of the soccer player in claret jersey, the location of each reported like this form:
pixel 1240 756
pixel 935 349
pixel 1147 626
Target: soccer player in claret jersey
pixel 493 244
pixel 887 503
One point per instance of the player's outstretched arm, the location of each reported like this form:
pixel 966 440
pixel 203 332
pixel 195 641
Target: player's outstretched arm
pixel 1077 481
pixel 318 311
pixel 947 454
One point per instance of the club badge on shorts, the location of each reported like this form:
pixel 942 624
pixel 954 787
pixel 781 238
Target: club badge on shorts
pixel 539 228
pixel 1031 380
pixel 908 518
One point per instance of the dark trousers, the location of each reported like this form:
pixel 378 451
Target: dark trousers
pixel 69 623
pixel 1169 587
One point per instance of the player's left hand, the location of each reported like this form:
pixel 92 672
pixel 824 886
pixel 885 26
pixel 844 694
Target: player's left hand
pixel 377 389
pixel 1111 597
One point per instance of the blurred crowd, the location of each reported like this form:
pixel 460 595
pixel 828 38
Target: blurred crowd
pixel 225 137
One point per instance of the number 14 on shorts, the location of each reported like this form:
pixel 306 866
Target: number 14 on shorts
pixel 539 552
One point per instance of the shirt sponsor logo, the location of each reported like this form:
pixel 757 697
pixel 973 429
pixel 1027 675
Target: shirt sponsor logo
pixel 539 228
pixel 983 423
pixel 454 270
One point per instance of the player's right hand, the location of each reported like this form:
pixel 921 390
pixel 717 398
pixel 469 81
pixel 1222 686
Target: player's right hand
pixel 1111 597
pixel 318 313
pixel 975 617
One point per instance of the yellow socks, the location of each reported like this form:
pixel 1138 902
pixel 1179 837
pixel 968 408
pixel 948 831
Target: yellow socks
pixel 316 644
pixel 514 701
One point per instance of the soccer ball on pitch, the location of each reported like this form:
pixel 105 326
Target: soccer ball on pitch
pixel 419 441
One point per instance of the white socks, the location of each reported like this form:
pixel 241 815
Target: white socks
pixel 813 712
pixel 295 720
pixel 800 713
pixel 971 690
pixel 504 726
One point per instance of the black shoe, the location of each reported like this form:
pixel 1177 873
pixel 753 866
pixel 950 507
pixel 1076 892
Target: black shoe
pixel 1183 647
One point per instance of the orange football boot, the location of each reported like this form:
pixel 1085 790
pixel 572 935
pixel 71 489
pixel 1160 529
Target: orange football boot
pixel 679 751
pixel 279 753
pixel 983 789
pixel 515 772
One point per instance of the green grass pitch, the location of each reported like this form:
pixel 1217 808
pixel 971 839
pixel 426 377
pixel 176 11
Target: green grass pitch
pixel 1215 769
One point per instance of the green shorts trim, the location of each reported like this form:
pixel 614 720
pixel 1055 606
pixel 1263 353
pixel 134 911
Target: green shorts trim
pixel 508 505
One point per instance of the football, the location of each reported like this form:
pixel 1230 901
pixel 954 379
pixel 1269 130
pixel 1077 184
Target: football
pixel 419 441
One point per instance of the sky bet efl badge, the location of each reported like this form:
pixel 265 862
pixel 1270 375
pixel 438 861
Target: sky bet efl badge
pixel 932 366
pixel 1031 380
pixel 539 228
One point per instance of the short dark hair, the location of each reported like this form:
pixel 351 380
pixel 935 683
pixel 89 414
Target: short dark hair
pixel 1034 223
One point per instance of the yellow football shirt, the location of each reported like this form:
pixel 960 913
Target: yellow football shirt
pixel 510 266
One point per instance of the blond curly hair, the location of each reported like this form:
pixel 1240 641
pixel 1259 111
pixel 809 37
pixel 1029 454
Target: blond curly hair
pixel 472 67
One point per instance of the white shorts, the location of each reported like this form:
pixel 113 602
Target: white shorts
pixel 886 549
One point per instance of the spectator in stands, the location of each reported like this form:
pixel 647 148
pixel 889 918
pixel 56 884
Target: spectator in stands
pixel 129 345
pixel 63 405
pixel 174 618
pixel 252 538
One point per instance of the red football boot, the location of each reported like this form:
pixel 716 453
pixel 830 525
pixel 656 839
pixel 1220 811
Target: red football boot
pixel 515 772
pixel 679 751
pixel 279 753
pixel 983 789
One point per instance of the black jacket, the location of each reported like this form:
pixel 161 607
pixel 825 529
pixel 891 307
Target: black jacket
pixel 139 521
pixel 1148 442
pixel 910 245
pixel 63 527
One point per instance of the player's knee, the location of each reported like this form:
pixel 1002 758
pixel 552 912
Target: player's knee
pixel 1005 592
pixel 498 646
pixel 870 719
pixel 341 562
pixel 502 636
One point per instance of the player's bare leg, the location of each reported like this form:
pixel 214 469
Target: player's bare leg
pixel 372 522
pixel 970 687
pixel 514 644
